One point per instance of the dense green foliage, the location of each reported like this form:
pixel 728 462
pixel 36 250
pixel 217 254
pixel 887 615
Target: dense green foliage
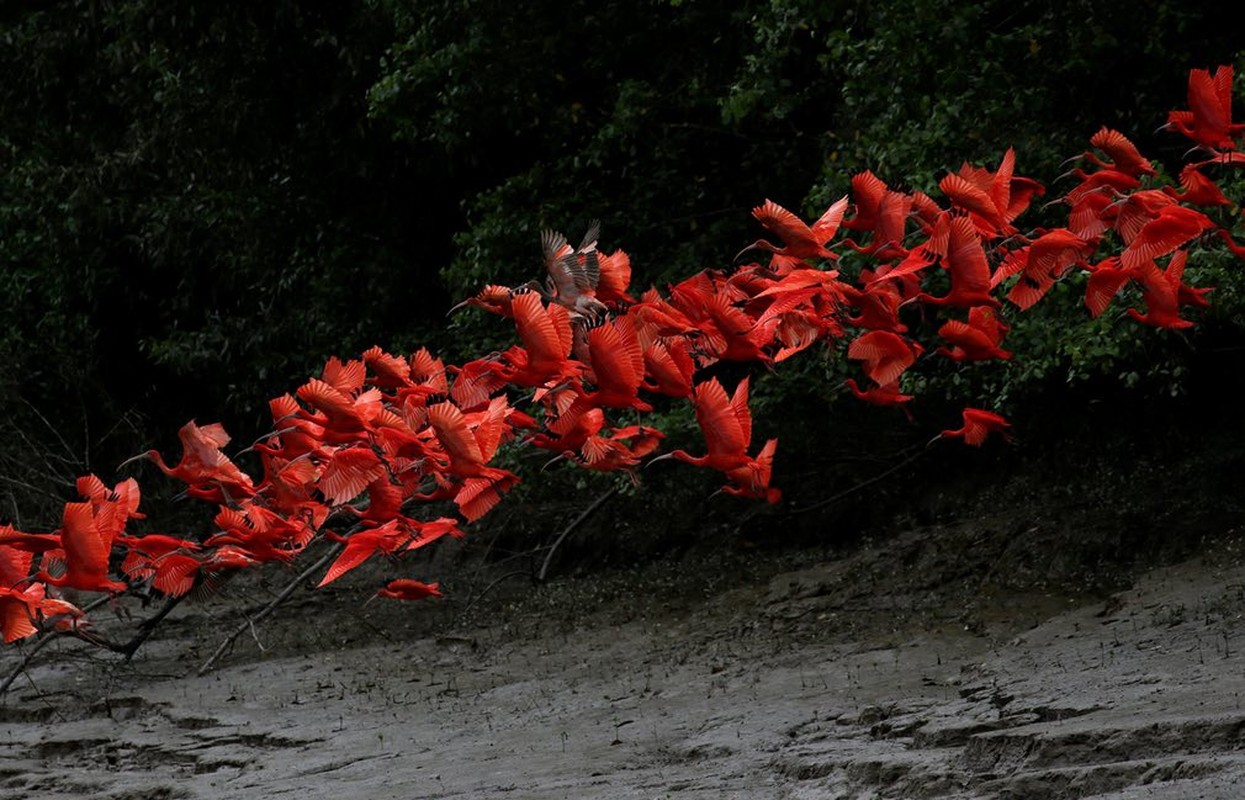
pixel 196 207
pixel 200 201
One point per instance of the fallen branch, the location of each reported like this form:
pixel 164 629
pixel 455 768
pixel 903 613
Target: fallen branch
pixel 575 523
pixel 857 487
pixel 146 628
pixel 44 639
pixel 249 624
pixel 489 588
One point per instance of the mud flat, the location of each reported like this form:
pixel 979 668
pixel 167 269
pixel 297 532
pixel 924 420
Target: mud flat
pixel 898 669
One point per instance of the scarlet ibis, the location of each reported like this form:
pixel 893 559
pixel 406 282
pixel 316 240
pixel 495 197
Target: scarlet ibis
pixel 1129 214
pixel 1173 227
pixel 170 563
pixel 724 328
pixel 621 450
pixel 617 365
pixel 976 200
pixel 125 496
pixel 725 422
pixel 799 239
pixel 260 533
pixel 15 563
pixel 86 550
pixel 295 436
pixel 978 424
pixel 925 209
pixel 547 338
pixel 1197 189
pixel 868 191
pixel 384 502
pixel 344 418
pixel 615 277
pixel 470 445
pixel 970 271
pixel 1105 181
pixel 389 372
pixel 877 305
pixel 657 318
pixel 409 589
pixel 1185 295
pixel 203 463
pixel 992 199
pixel 20 609
pixel 287 486
pixel 348 472
pixel 476 381
pixel 182 572
pixel 428 370
pixel 885 355
pixel 145 552
pixel 887 395
pixel 1089 216
pixel 1121 153
pixel 794 330
pixel 1208 120
pixel 1106 279
pixel 668 367
pixel 975 340
pixel 753 478
pixel 1234 248
pixel 571 428
pixel 387 539
pixel 888 229
pixel 346 377
pixel 1161 295
pixel 496 299
pixel 13 540
pixel 1041 264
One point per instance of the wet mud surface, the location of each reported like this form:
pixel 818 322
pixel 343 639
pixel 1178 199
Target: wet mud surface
pixel 909 667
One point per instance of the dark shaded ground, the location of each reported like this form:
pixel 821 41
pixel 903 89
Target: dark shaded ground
pixel 1069 627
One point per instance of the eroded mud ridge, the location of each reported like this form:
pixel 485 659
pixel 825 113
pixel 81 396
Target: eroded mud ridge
pixel 807 677
pixel 118 745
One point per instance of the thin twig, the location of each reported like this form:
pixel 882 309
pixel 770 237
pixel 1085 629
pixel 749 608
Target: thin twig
pixel 124 419
pixel 17 512
pixel 587 512
pixel 146 628
pixel 31 487
pixel 44 639
pixel 51 474
pixel 25 662
pixel 330 554
pixel 489 588
pixel 68 450
pixel 857 487
pixel 255 636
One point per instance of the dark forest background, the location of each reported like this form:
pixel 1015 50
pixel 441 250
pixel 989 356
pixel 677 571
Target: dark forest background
pixel 201 202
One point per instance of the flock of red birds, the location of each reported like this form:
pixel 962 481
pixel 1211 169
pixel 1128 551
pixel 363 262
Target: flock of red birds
pixel 369 437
